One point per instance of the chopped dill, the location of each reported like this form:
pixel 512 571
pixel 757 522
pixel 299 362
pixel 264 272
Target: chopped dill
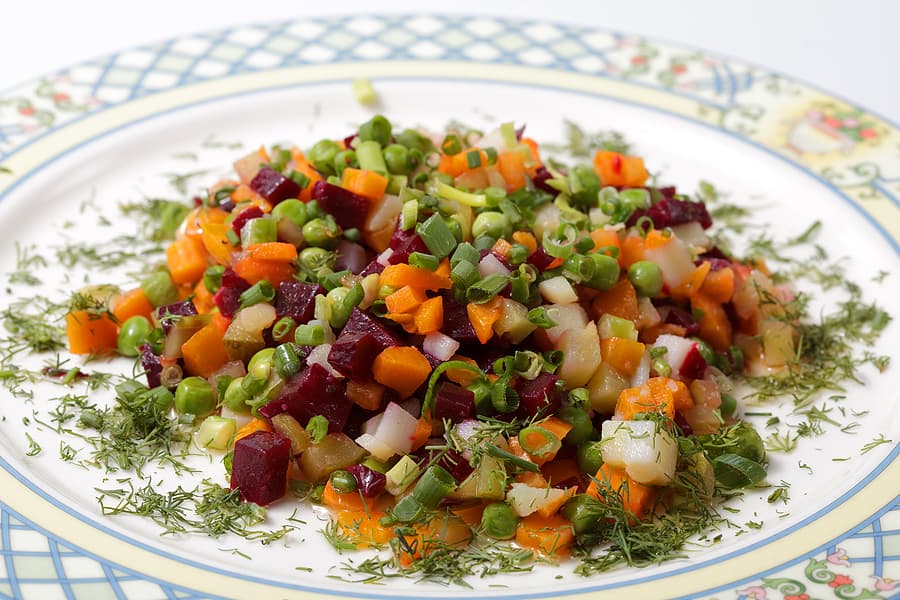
pixel 159 218
pixel 26 263
pixel 580 144
pixel 875 443
pixel 180 181
pixel 33 447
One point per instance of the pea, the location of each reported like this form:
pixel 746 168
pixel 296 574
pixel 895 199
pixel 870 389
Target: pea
pixel 321 232
pixel 493 224
pixel 396 157
pixel 499 521
pixel 583 512
pixel 590 457
pixel 194 396
pixel 344 159
pixel 313 259
pixel 162 398
pixel 159 288
pixel 292 209
pixel 321 155
pixel 132 334
pixel 606 272
pixel 580 420
pixel 377 129
pixel 235 398
pixel 343 481
pixel 646 276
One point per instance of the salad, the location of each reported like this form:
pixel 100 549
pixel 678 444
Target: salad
pixel 450 343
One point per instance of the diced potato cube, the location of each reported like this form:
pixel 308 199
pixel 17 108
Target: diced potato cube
pixel 648 454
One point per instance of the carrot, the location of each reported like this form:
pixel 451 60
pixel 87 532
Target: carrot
pixel 483 316
pixel 691 284
pixel 463 377
pixel 535 161
pixel 274 251
pixel 422 433
pixel 200 217
pixel 719 285
pixel 547 535
pixel 363 527
pixel 622 354
pixel 204 352
pixel 556 426
pixel 512 166
pixel 244 193
pixel 473 179
pixel 618 170
pixel 187 260
pixel 401 368
pixel 470 514
pixel 655 396
pixel 91 333
pixel 620 300
pixel 429 317
pixel 551 508
pixel 257 424
pixel 715 327
pixel 403 274
pixel 367 395
pixel 632 250
pixel 560 470
pixel 501 248
pixel 656 239
pixel 301 165
pixel 604 238
pixel 131 304
pixel 216 242
pixel 527 239
pixel 253 270
pixel 636 498
pixel 202 298
pixel 349 501
pixel 405 300
pixel 367 184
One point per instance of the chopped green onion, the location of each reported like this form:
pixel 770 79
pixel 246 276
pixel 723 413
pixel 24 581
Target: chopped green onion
pixel 518 254
pixel 540 316
pixel 343 481
pixel 465 252
pixel 309 335
pixel 473 159
pixel 437 236
pixel 232 237
pixel 504 398
pixel 508 131
pixel 364 91
pixel 333 280
pixel 464 275
pixel 434 485
pixel 451 193
pixel 518 461
pixel 377 129
pixel 734 471
pixel 287 362
pixel 491 153
pixel 484 290
pixel 537 441
pixel 562 244
pixel 283 328
pixel 301 179
pixel 159 288
pixel 344 304
pixel 261 291
pixel 409 214
pixel 259 231
pixel 424 261
pixel 370 158
pixel 451 145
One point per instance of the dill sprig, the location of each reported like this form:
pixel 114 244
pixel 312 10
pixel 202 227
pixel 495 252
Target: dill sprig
pixel 159 218
pixel 581 144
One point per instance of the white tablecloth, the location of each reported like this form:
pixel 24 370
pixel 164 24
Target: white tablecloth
pixel 847 48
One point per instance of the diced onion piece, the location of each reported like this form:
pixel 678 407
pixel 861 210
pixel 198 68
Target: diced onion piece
pixel 647 453
pixel 649 316
pixel 526 499
pixel 558 290
pixel 677 349
pixel 240 418
pixel 440 346
pixel 491 265
pixel 642 372
pixel 394 427
pixel 546 218
pixel 383 212
pixel 256 317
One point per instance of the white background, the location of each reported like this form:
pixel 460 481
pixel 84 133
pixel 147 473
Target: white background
pixel 851 49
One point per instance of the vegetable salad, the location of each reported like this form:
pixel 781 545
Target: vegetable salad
pixel 449 342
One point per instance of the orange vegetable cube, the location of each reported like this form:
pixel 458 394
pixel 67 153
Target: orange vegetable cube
pixel 622 354
pixel 91 333
pixel 401 368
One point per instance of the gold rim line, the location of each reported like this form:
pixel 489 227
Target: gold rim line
pixel 867 501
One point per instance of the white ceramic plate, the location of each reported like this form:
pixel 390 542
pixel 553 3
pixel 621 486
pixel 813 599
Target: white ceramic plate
pixel 110 131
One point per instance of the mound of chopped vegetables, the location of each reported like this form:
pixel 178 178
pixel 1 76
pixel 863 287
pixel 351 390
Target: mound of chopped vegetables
pixel 451 342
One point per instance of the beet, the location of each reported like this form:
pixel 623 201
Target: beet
pixel 541 175
pixel 361 322
pixel 348 209
pixel 454 462
pixel 404 243
pixel 314 391
pixel 694 364
pixel 151 364
pixel 273 186
pixel 539 259
pixel 539 394
pixel 373 267
pixel 454 403
pixel 297 300
pixel 352 354
pixel 275 407
pixel 350 257
pixel 169 314
pixel 456 321
pixel 228 298
pixel 259 469
pixel 253 212
pixel 370 482
pixel 669 211
pixel 681 317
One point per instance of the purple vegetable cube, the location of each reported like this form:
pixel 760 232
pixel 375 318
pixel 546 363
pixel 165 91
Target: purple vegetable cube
pixel 456 322
pixel 348 209
pixel 361 322
pixel 253 212
pixel 404 243
pixel 228 296
pixel 259 469
pixel 454 402
pixel 539 394
pixel 151 364
pixel 370 482
pixel 273 186
pixel 297 300
pixel 169 314
pixel 314 391
pixel 352 354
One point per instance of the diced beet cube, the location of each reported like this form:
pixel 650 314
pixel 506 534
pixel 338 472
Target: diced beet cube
pixel 348 209
pixel 373 267
pixel 252 212
pixel 404 243
pixel 456 322
pixel 371 483
pixel 541 175
pixel 169 314
pixel 275 407
pixel 539 394
pixel 454 402
pixel 297 300
pixel 455 463
pixel 681 317
pixel 669 211
pixel 715 252
pixel 352 354
pixel 259 469
pixel 273 186
pixel 539 259
pixel 314 391
pixel 228 296
pixel 151 364
pixel 361 322
pixel 694 364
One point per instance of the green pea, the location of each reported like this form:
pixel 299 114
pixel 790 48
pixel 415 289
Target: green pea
pixel 132 334
pixel 606 272
pixel 313 210
pixel 590 458
pixel 159 288
pixel 414 140
pixel 377 129
pixel 580 420
pixel 314 259
pixel 321 155
pixel 321 232
pixel 194 396
pixel 162 398
pixel 396 157
pixel 343 481
pixel 258 370
pixel 499 521
pixel 583 512
pixel 493 224
pixel 646 276
pixel 235 398
pixel 344 159
pixel 292 209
